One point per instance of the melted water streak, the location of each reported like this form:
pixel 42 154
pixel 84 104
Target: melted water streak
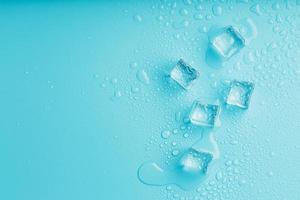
pixel 193 167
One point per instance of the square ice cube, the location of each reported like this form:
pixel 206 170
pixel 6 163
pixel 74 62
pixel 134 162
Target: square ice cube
pixel 195 162
pixel 184 74
pixel 204 114
pixel 239 94
pixel 227 42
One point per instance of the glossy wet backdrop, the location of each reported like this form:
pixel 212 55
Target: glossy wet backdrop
pixel 85 98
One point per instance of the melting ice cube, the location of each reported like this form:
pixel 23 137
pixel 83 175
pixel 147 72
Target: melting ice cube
pixel 195 162
pixel 226 42
pixel 184 74
pixel 239 94
pixel 204 114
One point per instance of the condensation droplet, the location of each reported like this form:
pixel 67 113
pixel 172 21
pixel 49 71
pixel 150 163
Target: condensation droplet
pixel 165 134
pixel 217 10
pixel 138 18
pixel 142 76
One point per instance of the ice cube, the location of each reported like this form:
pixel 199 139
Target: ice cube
pixel 239 94
pixel 184 74
pixel 204 114
pixel 195 162
pixel 227 42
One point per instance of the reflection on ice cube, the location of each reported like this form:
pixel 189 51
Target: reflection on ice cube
pixel 239 94
pixel 195 162
pixel 204 114
pixel 184 74
pixel 226 42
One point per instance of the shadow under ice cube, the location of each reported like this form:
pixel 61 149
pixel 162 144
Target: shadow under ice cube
pixel 204 114
pixel 184 74
pixel 239 94
pixel 226 42
pixel 195 162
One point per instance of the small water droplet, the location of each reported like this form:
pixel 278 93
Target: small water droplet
pixel 168 188
pixel 256 9
pixel 184 12
pixel 178 116
pixel 114 81
pixel 133 65
pixel 118 93
pixel 270 173
pixel 135 89
pixel 165 134
pixel 217 10
pixel 142 76
pixel 198 16
pixel 219 176
pixel 138 18
pixel 175 152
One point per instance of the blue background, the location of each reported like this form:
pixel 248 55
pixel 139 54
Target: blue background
pixel 77 116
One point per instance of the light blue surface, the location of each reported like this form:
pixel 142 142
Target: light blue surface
pixel 84 98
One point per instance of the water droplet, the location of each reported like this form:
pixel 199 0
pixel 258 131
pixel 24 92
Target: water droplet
pixel 234 142
pixel 135 89
pixel 114 81
pixel 228 163
pixel 249 58
pixel 178 116
pixel 276 6
pixel 142 76
pixel 219 176
pixel 96 76
pixel 160 18
pixel 118 93
pixel 165 134
pixel 198 16
pixel 256 9
pixel 270 173
pixel 217 10
pixel 180 24
pixel 184 12
pixel 175 152
pixel 175 131
pixel 133 65
pixel 187 2
pixel 168 188
pixel 138 18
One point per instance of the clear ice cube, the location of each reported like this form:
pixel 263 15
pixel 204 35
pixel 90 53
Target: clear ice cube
pixel 204 114
pixel 239 94
pixel 227 42
pixel 184 74
pixel 195 162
